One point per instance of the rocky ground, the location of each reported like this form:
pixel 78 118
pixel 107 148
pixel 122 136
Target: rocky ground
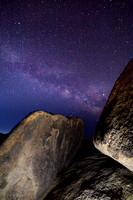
pixel 93 176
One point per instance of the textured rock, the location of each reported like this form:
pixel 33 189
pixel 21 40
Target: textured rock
pixel 114 133
pixel 93 176
pixel 36 149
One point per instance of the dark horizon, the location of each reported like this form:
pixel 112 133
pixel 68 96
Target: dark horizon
pixel 61 56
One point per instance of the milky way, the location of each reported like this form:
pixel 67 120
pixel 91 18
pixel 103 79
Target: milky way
pixel 61 56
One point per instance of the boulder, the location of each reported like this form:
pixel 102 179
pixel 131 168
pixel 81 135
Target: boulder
pixel 114 132
pixel 39 147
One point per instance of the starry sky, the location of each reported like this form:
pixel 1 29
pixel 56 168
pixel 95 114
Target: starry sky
pixel 61 56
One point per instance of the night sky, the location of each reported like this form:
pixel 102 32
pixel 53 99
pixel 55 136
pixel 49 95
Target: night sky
pixel 61 56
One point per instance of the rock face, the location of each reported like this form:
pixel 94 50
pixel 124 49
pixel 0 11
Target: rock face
pixel 93 176
pixel 114 133
pixel 36 149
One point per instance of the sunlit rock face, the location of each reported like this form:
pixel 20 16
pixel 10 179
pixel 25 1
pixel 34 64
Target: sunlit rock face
pixel 114 133
pixel 36 149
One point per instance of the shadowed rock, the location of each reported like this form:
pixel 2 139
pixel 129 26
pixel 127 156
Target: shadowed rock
pixel 114 133
pixel 36 149
pixel 93 176
pixel 3 137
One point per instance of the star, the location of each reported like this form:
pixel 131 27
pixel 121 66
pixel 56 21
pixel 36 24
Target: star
pixel 61 57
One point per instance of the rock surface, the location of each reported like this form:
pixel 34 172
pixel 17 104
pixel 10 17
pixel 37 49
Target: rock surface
pixel 93 176
pixel 36 149
pixel 114 133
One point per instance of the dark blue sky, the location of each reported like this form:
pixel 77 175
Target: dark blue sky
pixel 61 56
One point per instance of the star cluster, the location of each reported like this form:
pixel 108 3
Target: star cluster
pixel 61 56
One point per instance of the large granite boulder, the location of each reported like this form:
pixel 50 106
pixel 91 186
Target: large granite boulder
pixel 114 133
pixel 93 176
pixel 35 151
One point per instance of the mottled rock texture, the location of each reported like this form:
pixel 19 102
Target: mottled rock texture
pixel 93 176
pixel 36 149
pixel 114 133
